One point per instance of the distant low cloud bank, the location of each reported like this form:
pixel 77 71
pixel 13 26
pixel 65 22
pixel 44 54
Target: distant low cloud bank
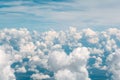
pixel 65 55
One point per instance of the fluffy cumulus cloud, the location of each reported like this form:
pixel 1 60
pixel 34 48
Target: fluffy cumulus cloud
pixel 6 72
pixel 65 55
pixel 71 66
pixel 114 64
pixel 39 76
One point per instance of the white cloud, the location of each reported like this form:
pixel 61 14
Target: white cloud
pixel 6 72
pixel 75 63
pixel 49 51
pixel 39 76
pixel 28 47
pixel 114 64
pixel 79 58
pixel 58 60
pixel 65 75
pixel 22 69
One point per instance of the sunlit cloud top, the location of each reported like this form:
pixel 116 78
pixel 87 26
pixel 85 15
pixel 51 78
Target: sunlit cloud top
pixel 59 14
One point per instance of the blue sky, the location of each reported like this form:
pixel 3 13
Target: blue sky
pixel 59 14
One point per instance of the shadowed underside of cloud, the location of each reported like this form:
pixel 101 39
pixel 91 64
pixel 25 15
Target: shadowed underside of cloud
pixel 65 55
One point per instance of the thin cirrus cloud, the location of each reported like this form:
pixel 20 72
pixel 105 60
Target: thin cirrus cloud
pixel 64 13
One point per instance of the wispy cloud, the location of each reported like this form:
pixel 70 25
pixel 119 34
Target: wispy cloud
pixel 73 12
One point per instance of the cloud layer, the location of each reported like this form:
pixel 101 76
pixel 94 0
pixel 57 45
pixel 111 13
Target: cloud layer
pixel 65 55
pixel 59 13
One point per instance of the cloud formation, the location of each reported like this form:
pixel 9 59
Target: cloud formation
pixel 54 13
pixel 65 55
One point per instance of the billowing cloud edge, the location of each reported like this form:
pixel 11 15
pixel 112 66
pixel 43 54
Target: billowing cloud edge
pixel 74 53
